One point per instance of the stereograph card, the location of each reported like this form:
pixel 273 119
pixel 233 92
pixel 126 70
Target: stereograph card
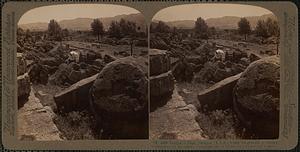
pixel 142 75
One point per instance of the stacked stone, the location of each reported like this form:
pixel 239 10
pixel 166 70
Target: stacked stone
pixel 161 77
pixel 23 80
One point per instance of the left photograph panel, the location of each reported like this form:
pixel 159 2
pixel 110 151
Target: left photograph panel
pixel 82 73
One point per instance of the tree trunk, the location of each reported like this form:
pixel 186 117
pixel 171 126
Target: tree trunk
pixel 98 36
pixel 245 37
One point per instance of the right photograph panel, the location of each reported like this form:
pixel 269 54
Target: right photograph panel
pixel 214 73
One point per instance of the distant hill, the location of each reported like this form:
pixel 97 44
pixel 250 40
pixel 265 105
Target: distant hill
pixel 85 23
pixel 226 22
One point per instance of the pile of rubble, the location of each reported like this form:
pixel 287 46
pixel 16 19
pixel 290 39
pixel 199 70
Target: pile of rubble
pixel 117 96
pixel 53 63
pixel 253 94
pixel 204 67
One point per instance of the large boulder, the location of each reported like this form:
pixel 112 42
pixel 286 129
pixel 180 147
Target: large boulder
pixel 162 85
pixel 218 96
pixel 61 76
pixel 159 62
pixel 75 97
pixel 256 97
pixel 38 73
pixel 161 89
pixel 119 98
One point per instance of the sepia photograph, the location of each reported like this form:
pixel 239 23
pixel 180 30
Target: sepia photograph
pixel 214 72
pixel 82 73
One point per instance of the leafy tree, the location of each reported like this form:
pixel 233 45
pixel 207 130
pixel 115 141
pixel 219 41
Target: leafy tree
pixel 261 29
pixel 273 30
pixel 201 28
pixel 97 28
pixel 114 29
pixel 162 27
pixel 244 27
pixel 54 30
pixel 122 28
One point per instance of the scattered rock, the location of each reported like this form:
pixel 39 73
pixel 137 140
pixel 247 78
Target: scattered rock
pixel 51 61
pixel 21 64
pixel 253 57
pixel 244 61
pixel 108 58
pixel 256 97
pixel 218 96
pixel 23 88
pixel 159 62
pixel 61 76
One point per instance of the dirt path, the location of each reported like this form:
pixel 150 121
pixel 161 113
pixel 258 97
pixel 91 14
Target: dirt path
pixel 106 48
pixel 249 48
pixel 35 121
pixel 175 120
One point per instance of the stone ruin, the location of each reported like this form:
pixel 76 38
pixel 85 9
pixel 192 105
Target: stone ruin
pixel 117 96
pixel 23 80
pixel 256 97
pixel 161 78
pixel 253 95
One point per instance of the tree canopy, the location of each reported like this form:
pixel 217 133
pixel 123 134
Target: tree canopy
pixel 244 27
pixel 201 28
pixel 54 30
pixel 97 27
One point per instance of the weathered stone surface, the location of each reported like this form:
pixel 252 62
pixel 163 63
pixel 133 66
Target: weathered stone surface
pixel 75 76
pixel 108 58
pixel 75 97
pixel 256 97
pixel 21 64
pixel 38 73
pixel 60 77
pixel 184 71
pixel 159 62
pixel 175 120
pixel 221 74
pixel 35 122
pixel 23 87
pixel 121 86
pixel 162 85
pixel 253 57
pixel 51 61
pixel 245 61
pixel 218 96
pixel 119 98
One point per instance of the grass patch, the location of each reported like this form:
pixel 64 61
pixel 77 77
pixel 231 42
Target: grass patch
pixel 76 126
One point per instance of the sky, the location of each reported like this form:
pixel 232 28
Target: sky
pixel 193 11
pixel 71 11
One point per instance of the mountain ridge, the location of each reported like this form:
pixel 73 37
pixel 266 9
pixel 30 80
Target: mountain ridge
pixel 225 22
pixel 85 23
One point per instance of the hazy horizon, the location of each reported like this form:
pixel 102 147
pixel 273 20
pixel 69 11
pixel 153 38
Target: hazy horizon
pixel 193 11
pixel 73 11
